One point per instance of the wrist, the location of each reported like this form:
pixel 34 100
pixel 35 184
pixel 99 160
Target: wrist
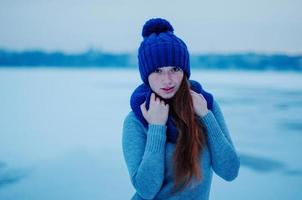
pixel 157 123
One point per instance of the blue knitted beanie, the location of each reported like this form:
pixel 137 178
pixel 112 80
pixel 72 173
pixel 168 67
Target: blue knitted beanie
pixel 161 48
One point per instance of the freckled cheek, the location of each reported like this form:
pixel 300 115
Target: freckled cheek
pixel 179 78
pixel 155 84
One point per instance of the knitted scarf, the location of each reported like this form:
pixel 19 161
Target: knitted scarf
pixel 143 93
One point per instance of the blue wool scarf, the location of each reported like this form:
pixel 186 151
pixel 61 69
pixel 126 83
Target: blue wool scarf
pixel 143 93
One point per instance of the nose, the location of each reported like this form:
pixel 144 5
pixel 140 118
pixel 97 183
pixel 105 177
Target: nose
pixel 167 77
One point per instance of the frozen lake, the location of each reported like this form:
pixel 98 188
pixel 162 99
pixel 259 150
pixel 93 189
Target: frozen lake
pixel 60 133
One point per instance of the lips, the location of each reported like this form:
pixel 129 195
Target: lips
pixel 167 89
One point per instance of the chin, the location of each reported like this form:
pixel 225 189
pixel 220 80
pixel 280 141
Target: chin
pixel 167 96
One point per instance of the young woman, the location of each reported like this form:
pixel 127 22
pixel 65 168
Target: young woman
pixel 175 136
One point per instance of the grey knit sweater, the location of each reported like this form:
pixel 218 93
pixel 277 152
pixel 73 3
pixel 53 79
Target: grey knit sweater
pixel 149 158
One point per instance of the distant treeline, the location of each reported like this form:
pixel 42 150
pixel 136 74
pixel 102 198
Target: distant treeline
pixel 93 58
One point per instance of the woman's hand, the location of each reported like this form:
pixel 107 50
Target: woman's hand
pixel 199 103
pixel 158 111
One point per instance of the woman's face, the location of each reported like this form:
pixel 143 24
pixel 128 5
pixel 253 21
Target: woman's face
pixel 165 81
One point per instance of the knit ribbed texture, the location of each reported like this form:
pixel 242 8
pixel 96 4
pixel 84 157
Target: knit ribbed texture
pixel 212 126
pixel 150 161
pixel 212 123
pixel 220 141
pixel 160 48
pixel 156 138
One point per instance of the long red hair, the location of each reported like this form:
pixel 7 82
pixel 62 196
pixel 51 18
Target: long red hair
pixel 191 139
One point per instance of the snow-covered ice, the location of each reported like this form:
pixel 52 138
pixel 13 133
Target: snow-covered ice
pixel 60 132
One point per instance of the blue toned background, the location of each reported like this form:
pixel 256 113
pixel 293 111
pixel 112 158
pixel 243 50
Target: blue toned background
pixel 61 122
pixel 115 25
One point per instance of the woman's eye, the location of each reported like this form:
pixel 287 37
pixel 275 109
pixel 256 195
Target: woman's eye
pixel 157 71
pixel 176 69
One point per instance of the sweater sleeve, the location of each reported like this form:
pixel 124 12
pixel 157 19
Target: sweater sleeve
pixel 225 161
pixel 144 153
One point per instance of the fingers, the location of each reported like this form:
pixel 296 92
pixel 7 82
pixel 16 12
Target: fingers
pixel 193 92
pixel 202 96
pixel 143 105
pixel 143 109
pixel 157 102
pixel 197 94
pixel 154 99
pixel 164 106
pixel 158 110
pixel 167 106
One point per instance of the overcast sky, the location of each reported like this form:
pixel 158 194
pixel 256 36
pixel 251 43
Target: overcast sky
pixel 266 26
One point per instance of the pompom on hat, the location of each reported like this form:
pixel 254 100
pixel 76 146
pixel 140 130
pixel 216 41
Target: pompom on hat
pixel 161 48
